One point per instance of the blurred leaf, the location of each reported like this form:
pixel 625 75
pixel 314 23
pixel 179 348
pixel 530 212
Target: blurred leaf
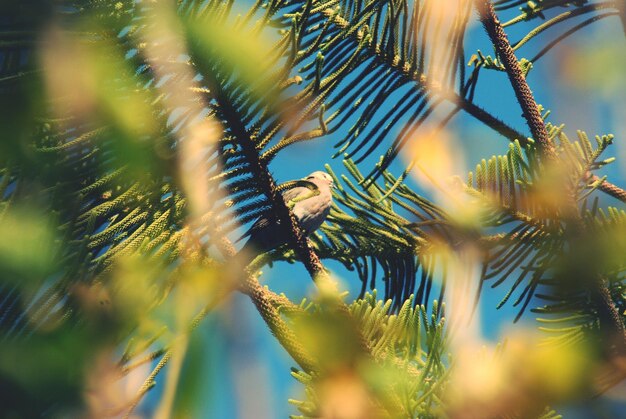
pixel 28 247
pixel 239 52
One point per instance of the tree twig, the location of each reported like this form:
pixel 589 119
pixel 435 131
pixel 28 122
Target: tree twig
pixel 610 189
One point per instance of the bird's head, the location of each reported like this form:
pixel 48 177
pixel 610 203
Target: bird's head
pixel 322 177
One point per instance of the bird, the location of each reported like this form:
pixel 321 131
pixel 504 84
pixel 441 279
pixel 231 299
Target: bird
pixel 309 207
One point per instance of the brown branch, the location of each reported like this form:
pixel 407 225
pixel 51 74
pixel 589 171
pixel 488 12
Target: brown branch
pixel 266 302
pixel 485 117
pixel 610 189
pixel 522 91
pixel 516 76
pixel 611 320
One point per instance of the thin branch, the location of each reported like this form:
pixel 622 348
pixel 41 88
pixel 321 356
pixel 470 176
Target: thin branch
pixel 148 383
pixel 570 14
pixel 610 189
pixel 522 91
pixel 569 32
pixel 485 117
pixel 298 240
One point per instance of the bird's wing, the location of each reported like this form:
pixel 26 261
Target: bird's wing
pixel 259 224
pixel 293 193
pixel 311 212
pixel 263 222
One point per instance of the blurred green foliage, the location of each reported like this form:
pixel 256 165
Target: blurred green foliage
pixel 136 139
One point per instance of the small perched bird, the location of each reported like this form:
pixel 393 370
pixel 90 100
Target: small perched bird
pixel 310 208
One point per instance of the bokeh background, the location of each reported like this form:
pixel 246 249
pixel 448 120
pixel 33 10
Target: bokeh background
pixel 233 365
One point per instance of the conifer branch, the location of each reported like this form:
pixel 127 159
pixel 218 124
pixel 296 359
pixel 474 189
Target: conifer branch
pixel 462 102
pixel 268 186
pixel 523 93
pixel 514 71
pixel 605 305
pixel 265 302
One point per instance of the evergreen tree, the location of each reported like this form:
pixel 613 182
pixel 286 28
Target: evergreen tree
pixel 140 138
